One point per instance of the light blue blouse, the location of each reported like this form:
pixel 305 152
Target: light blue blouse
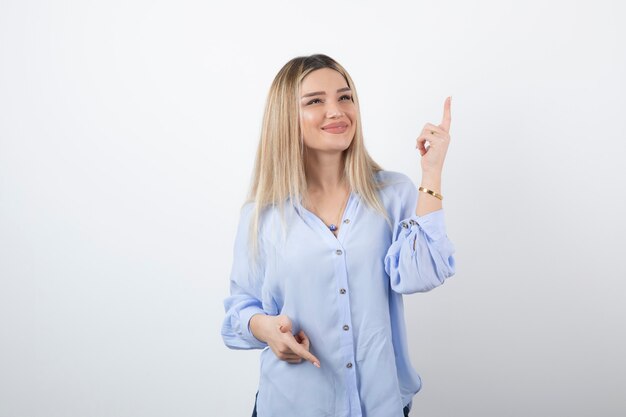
pixel 345 292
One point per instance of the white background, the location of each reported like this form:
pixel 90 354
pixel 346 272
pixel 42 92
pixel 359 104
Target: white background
pixel 127 137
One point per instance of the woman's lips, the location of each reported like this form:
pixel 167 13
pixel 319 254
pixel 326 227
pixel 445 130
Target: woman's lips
pixel 335 130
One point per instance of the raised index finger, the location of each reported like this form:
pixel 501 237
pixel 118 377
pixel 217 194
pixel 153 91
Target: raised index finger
pixel 447 118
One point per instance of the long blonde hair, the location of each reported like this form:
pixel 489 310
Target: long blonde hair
pixel 279 172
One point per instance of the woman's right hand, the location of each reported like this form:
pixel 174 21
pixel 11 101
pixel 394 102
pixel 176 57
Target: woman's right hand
pixel 276 332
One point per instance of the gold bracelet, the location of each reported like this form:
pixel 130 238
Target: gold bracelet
pixel 431 192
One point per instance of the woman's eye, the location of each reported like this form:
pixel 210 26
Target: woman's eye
pixel 317 100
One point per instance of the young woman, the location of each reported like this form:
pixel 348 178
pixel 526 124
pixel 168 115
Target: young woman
pixel 327 244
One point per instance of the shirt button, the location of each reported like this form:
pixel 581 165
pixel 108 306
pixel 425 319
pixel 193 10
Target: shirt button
pixel 346 221
pixel 342 291
pixel 349 365
pixel 338 252
pixel 346 327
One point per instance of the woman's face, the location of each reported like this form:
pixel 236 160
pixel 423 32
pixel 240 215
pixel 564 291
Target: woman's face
pixel 327 112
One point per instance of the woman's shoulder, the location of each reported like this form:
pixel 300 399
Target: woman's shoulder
pixel 248 212
pixel 392 179
pixel 267 219
pixel 395 188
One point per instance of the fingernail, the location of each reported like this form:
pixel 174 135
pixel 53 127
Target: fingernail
pixel 316 364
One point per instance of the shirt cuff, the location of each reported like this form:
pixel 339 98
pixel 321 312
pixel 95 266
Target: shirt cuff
pixel 244 316
pixel 433 224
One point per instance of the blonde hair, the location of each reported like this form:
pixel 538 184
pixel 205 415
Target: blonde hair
pixel 279 172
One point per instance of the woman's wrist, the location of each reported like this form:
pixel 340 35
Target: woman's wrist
pixel 432 181
pixel 426 202
pixel 257 325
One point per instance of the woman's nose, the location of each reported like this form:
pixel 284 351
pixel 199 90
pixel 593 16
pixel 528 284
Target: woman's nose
pixel 333 111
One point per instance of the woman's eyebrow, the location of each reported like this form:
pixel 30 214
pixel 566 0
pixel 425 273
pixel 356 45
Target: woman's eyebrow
pixel 321 93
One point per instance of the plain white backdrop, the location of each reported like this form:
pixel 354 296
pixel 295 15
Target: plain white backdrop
pixel 127 136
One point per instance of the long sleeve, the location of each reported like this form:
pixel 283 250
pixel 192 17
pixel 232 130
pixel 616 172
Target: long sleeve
pixel 245 290
pixel 420 257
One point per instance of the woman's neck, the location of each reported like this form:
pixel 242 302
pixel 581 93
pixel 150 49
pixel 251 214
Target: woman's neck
pixel 325 172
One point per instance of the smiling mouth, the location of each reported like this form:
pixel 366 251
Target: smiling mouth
pixel 336 129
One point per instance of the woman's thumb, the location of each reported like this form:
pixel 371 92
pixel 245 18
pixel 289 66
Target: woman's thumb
pixel 284 324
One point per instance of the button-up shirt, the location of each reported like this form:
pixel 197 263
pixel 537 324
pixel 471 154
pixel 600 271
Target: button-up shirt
pixel 345 292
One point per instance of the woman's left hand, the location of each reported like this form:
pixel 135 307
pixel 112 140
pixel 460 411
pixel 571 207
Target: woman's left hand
pixel 438 138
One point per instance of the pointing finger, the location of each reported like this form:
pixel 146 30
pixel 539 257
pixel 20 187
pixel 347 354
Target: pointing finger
pixel 302 352
pixel 447 117
pixel 304 339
